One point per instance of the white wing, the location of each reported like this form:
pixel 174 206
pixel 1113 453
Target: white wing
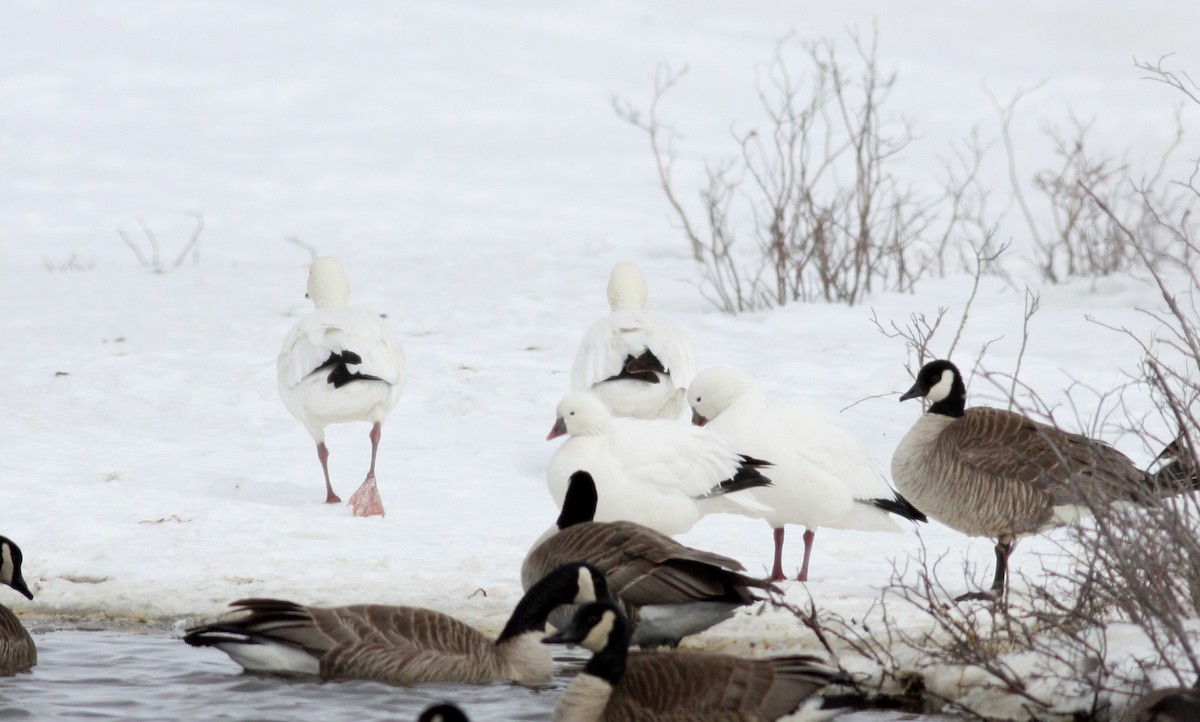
pixel 604 348
pixel 336 330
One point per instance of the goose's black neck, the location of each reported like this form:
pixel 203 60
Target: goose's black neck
pixel 609 663
pixel 555 589
pixel 579 505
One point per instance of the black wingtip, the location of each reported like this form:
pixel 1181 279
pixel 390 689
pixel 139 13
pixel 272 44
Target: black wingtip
pixel 901 507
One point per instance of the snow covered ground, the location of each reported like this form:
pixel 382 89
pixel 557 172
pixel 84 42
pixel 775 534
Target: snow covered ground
pixel 463 162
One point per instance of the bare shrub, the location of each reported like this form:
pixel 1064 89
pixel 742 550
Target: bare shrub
pixel 154 260
pixel 1080 239
pixel 72 263
pixel 829 217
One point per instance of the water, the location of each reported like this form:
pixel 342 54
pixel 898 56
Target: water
pixel 134 677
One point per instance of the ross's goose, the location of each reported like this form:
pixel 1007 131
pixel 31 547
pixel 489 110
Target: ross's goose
pixel 661 474
pixel 822 475
pixel 637 362
pixel 667 590
pixel 996 473
pixel 338 365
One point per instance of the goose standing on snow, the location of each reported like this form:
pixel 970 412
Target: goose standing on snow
pixel 996 473
pixel 17 653
pixel 661 474
pixel 666 590
pixel 398 645
pixel 637 362
pixel 339 365
pixel 618 686
pixel 822 475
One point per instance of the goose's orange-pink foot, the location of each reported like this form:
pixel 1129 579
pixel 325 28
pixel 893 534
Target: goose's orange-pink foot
pixel 366 501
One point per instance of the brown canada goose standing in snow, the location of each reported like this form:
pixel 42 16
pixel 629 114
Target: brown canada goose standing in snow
pixel 667 590
pixel 995 473
pixel 398 645
pixel 619 686
pixel 17 653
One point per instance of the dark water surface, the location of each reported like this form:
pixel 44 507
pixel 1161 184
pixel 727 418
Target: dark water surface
pixel 109 675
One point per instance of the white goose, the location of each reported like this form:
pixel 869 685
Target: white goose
pixel 661 474
pixel 637 362
pixel 823 476
pixel 339 365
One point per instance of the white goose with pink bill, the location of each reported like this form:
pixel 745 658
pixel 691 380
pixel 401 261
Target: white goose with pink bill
pixel 661 474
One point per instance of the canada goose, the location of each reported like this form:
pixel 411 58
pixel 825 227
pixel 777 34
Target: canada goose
pixel 821 474
pixel 667 590
pixel 662 474
pixel 637 362
pixel 398 645
pixel 1177 704
pixel 996 473
pixel 616 685
pixel 443 713
pixel 339 365
pixel 17 653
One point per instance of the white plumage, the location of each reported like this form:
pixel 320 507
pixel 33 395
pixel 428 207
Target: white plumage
pixel 338 365
pixel 637 362
pixel 661 474
pixel 823 476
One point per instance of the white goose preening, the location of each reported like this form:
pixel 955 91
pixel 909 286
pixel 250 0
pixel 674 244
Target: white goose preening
pixel 338 365
pixel 17 652
pixel 821 474
pixel 398 645
pixel 661 474
pixel 637 362
pixel 996 473
pixel 667 590
pixel 619 686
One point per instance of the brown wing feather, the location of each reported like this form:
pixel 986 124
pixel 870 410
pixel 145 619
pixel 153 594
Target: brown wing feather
pixel 1054 461
pixel 642 566
pixel 711 687
pixel 17 652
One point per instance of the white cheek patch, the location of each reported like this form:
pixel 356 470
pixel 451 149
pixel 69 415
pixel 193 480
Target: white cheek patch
pixel 941 389
pixel 587 588
pixel 597 637
pixel 6 565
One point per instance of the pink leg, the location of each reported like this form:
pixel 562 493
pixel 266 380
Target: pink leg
pixel 365 501
pixel 808 545
pixel 375 429
pixel 323 455
pixel 777 570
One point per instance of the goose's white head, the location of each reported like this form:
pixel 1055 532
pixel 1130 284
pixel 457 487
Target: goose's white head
pixel 714 389
pixel 580 414
pixel 626 287
pixel 328 286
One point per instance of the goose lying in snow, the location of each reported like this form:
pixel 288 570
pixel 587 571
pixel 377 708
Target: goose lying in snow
pixel 821 474
pixel 338 365
pixel 666 590
pixel 635 361
pixel 618 686
pixel 661 474
pixel 995 473
pixel 17 653
pixel 398 645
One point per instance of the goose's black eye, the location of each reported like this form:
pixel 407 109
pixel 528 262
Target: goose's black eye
pixel 697 399
pixel 571 414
